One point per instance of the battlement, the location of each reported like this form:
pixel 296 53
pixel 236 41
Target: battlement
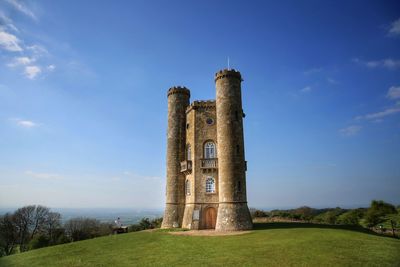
pixel 201 104
pixel 179 90
pixel 229 73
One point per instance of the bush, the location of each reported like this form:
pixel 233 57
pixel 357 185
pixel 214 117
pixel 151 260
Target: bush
pixel 351 217
pixel 330 216
pixel 377 212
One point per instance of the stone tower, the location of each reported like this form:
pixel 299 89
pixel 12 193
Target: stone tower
pixel 206 180
pixel 233 213
pixel 178 100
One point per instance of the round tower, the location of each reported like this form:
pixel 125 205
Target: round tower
pixel 178 100
pixel 233 213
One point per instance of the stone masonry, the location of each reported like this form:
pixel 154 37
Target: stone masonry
pixel 206 167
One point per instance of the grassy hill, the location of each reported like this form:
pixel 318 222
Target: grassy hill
pixel 271 244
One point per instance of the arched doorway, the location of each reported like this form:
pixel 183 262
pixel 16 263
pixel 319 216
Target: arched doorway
pixel 210 218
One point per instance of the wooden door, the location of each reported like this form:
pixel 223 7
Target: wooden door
pixel 211 218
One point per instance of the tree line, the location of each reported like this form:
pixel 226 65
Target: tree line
pixel 33 227
pixel 379 216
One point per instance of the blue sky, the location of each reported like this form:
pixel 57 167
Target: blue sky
pixel 83 107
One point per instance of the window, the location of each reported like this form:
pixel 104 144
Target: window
pixel 209 121
pixel 210 185
pixel 187 187
pixel 239 187
pixel 237 115
pixel 188 153
pixel 237 149
pixel 187 125
pixel 209 150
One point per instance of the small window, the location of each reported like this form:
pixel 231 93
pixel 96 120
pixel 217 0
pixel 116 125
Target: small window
pixel 209 150
pixel 210 185
pixel 239 187
pixel 187 125
pixel 187 187
pixel 237 149
pixel 188 153
pixel 209 121
pixel 237 115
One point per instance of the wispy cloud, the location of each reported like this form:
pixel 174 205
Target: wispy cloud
pixel 44 176
pixel 135 176
pixel 20 61
pixel 7 22
pixel 395 28
pixel 22 8
pixel 351 130
pixel 387 63
pixel 24 123
pixel 32 71
pixel 306 89
pixel 9 41
pixel 312 71
pixel 379 115
pixel 393 92
pixel 331 80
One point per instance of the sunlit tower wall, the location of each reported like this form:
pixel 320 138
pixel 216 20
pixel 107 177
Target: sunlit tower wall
pixel 178 100
pixel 233 213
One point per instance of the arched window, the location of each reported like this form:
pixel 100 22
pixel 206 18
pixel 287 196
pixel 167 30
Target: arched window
pixel 187 187
pixel 209 150
pixel 188 153
pixel 210 185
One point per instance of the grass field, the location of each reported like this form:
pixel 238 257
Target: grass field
pixel 272 244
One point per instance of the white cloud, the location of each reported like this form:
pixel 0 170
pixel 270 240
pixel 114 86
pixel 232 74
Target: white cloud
pixel 32 71
pixel 393 92
pixel 45 176
pixel 25 123
pixel 380 115
pixel 395 28
pixel 350 130
pixel 51 67
pixel 306 89
pixel 387 63
pixel 20 61
pixel 22 8
pixel 38 50
pixel 9 42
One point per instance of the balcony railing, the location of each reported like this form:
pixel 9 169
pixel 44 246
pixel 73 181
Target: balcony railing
pixel 186 166
pixel 209 163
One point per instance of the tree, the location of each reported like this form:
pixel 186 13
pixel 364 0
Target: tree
pixel 8 234
pixel 52 225
pixel 351 217
pixel 30 220
pixel 85 228
pixel 377 212
pixel 23 218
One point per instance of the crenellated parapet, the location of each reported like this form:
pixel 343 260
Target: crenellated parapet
pixel 228 73
pixel 178 90
pixel 202 105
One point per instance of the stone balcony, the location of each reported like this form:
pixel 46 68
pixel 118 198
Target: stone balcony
pixel 186 166
pixel 209 164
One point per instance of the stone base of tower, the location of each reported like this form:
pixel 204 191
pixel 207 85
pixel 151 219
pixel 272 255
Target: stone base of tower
pixel 233 217
pixel 172 216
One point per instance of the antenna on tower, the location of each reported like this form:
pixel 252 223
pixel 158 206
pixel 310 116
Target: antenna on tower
pixel 228 64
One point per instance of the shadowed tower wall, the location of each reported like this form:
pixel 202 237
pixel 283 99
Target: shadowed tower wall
pixel 178 100
pixel 233 213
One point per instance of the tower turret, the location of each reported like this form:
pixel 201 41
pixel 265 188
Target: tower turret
pixel 233 213
pixel 178 100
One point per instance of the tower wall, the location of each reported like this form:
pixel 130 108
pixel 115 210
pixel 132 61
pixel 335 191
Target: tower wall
pixel 233 213
pixel 178 100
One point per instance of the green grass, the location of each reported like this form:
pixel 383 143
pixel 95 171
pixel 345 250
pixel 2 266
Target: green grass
pixel 273 244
